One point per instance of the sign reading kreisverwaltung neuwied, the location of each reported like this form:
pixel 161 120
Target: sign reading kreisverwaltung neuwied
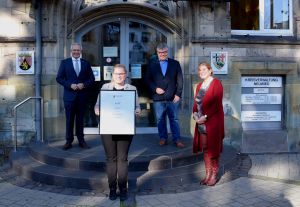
pixel 25 62
pixel 219 62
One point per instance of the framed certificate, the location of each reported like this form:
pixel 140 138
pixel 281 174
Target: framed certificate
pixel 117 112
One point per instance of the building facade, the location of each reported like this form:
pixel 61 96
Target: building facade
pixel 253 46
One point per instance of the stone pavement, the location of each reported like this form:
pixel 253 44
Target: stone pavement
pixel 273 180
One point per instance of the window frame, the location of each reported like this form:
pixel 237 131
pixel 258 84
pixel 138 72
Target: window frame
pixel 268 32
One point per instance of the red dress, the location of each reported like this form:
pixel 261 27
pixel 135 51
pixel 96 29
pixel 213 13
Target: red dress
pixel 213 108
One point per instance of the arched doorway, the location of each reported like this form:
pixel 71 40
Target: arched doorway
pixel 127 41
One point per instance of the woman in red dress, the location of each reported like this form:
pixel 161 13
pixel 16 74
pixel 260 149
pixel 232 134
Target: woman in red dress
pixel 209 116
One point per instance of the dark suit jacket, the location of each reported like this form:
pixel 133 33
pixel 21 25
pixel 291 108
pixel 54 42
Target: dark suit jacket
pixel 66 76
pixel 172 82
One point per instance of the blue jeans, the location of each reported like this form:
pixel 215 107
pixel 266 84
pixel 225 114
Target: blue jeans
pixel 162 110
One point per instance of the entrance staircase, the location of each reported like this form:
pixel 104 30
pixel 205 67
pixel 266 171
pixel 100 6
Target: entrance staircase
pixel 151 166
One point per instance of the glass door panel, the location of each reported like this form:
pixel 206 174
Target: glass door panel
pixel 101 47
pixel 127 42
pixel 142 43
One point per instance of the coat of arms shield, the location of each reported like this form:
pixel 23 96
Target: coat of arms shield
pixel 219 62
pixel 25 62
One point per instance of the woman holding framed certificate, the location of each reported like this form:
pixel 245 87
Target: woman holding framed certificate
pixel 116 145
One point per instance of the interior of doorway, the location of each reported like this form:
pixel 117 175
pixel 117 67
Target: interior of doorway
pixel 127 37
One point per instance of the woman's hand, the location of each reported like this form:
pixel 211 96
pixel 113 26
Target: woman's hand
pixel 97 111
pixel 201 120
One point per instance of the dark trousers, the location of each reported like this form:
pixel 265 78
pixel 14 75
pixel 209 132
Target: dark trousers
pixel 74 112
pixel 116 149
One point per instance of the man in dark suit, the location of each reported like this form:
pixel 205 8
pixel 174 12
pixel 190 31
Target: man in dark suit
pixel 164 77
pixel 76 76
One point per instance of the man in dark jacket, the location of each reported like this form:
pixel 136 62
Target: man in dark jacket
pixel 76 76
pixel 164 77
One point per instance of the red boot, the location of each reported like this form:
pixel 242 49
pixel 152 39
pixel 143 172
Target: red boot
pixel 208 169
pixel 215 169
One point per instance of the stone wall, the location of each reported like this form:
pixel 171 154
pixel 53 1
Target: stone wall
pixel 17 20
pixel 16 25
pixel 209 30
pixel 201 28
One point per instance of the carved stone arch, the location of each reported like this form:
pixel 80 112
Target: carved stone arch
pixel 76 7
pixel 149 13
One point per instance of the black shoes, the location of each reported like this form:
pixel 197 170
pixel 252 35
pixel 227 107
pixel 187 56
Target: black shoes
pixel 123 194
pixel 113 195
pixel 67 146
pixel 83 145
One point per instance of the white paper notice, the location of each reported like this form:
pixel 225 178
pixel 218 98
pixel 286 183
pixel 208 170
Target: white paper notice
pixel 261 98
pixel 252 116
pixel 110 51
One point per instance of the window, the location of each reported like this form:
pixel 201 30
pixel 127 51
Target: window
pixel 261 17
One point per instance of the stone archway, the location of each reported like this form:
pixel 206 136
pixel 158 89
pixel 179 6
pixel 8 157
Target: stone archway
pixel 155 15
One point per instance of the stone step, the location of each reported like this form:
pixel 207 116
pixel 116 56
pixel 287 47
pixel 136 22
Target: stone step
pixel 32 169
pixel 141 157
pixel 150 166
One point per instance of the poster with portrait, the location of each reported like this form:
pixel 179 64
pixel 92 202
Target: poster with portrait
pixel 219 62
pixel 25 62
pixel 107 72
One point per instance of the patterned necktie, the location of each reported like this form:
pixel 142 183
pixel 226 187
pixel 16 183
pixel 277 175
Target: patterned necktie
pixel 77 67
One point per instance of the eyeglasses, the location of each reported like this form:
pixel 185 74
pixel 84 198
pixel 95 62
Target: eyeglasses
pixel 119 73
pixel 162 52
